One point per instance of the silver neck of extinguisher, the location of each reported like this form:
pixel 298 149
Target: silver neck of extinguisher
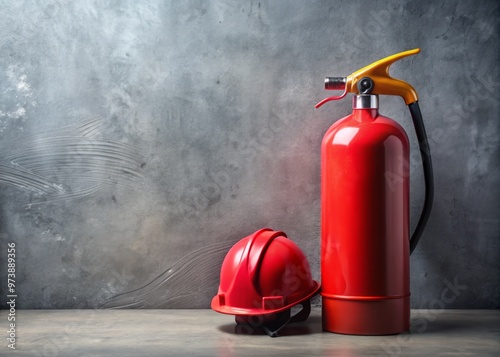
pixel 365 101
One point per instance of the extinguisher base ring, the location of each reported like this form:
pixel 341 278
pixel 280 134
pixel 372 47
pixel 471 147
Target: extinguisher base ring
pixel 366 317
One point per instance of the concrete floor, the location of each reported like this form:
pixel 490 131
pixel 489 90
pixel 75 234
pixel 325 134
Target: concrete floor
pixel 92 333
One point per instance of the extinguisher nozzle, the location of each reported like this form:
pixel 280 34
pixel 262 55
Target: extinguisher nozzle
pixel 335 83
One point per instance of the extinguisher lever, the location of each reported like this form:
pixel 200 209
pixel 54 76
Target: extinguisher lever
pixel 378 72
pixel 425 153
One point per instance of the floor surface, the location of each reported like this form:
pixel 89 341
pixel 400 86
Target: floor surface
pixel 149 333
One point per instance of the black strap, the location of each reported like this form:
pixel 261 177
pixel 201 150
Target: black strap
pixel 281 320
pixel 303 314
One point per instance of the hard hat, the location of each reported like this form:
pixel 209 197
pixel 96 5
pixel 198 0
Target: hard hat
pixel 262 277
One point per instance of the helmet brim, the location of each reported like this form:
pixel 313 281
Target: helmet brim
pixel 230 310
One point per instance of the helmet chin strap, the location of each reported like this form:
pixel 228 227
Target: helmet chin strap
pixel 282 318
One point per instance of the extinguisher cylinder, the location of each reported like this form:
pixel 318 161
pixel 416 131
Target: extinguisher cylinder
pixel 365 230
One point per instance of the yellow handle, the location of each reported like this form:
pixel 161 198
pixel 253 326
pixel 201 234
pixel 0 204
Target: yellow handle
pixel 383 83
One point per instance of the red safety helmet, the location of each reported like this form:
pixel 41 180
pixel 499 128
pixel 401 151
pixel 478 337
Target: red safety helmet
pixel 262 277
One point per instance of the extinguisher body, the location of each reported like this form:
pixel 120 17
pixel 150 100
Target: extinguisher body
pixel 365 225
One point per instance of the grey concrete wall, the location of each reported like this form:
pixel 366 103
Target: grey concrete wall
pixel 141 139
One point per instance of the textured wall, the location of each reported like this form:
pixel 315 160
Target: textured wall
pixel 141 139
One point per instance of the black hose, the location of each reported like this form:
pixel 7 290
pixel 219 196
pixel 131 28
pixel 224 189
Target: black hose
pixel 425 153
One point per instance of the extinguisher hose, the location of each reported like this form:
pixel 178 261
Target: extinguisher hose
pixel 425 153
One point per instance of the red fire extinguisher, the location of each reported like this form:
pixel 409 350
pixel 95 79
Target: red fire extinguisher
pixel 365 243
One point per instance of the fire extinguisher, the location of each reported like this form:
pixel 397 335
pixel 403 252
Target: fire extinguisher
pixel 365 242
